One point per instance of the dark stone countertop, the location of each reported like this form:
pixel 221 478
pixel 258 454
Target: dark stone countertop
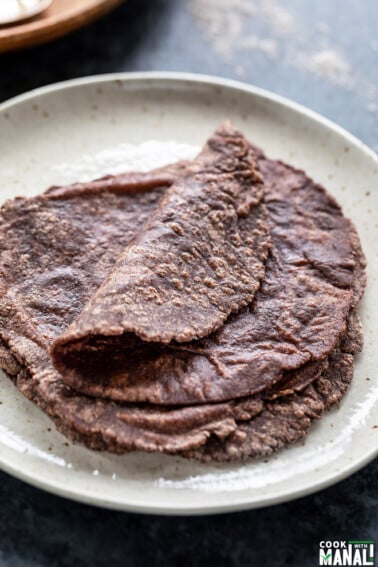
pixel 322 54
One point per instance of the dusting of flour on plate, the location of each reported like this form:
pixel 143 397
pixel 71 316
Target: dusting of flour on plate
pixel 121 158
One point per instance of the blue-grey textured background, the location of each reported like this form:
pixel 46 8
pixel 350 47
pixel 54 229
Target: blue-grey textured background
pixel 322 54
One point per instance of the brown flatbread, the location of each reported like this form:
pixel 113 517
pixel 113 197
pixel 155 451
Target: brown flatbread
pixel 298 314
pixel 236 430
pixel 286 419
pixel 283 421
pixel 62 242
pixel 61 239
pixel 200 257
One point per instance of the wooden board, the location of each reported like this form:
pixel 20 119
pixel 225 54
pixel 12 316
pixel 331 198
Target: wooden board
pixel 63 16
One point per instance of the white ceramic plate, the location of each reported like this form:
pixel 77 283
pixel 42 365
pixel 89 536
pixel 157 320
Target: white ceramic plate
pixel 87 127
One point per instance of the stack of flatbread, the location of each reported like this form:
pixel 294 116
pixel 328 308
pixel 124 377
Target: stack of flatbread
pixel 206 309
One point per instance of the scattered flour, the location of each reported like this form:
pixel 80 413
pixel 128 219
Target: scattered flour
pixel 239 71
pixel 230 27
pixel 121 158
pixel 372 97
pixel 267 46
pixel 236 27
pixel 328 64
pixel 227 24
pixel 279 19
pixel 372 92
pixel 322 27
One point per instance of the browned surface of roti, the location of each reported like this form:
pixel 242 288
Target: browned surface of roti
pixel 298 314
pixel 200 257
pixel 62 242
pixel 249 427
pixel 287 418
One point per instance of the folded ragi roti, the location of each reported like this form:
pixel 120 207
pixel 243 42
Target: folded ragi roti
pixel 208 308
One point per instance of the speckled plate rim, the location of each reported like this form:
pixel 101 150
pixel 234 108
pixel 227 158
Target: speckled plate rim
pixel 236 503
